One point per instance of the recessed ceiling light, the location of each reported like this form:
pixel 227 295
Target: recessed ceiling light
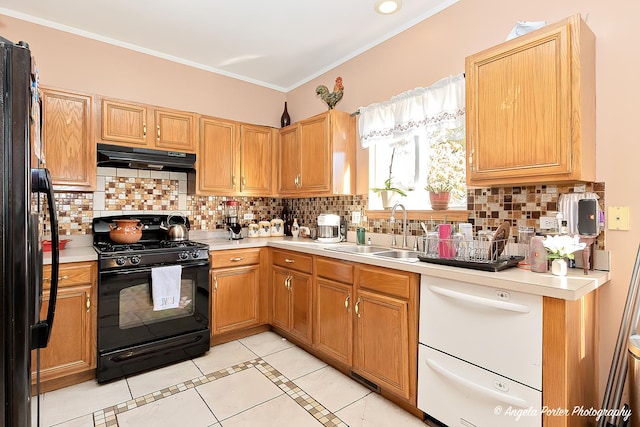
pixel 387 7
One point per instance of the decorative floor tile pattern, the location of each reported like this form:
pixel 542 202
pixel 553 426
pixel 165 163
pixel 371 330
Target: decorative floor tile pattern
pixel 107 417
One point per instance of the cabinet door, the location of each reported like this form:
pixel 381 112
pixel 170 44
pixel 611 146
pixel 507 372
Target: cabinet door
pixel 382 344
pixel 217 159
pixel 520 110
pixel 281 298
pixel 72 343
pixel 70 152
pixel 315 154
pixel 236 295
pixel 301 306
pixel 333 329
pixel 124 123
pixel 256 160
pixel 289 156
pixel 175 130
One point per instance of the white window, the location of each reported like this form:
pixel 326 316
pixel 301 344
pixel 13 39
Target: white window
pixel 415 139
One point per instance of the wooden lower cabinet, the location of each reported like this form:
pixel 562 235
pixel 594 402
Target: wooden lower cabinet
pixel 72 347
pixel 292 294
pixel 382 340
pixel 292 303
pixel 333 329
pixel 333 304
pixel 386 329
pixel 237 295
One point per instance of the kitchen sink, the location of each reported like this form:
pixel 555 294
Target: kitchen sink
pixel 359 249
pixel 400 254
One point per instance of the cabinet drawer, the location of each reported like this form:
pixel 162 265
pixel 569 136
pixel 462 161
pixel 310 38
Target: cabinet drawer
pixel 234 258
pixel 70 274
pixel 334 270
pixel 496 329
pixel 292 261
pixel 458 393
pixel 391 282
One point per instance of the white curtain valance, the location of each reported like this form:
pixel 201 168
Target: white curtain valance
pixel 414 112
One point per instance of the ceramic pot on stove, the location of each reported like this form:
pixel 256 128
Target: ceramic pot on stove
pixel 125 231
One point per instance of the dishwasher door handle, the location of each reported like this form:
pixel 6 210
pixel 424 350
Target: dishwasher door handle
pixel 486 302
pixel 494 394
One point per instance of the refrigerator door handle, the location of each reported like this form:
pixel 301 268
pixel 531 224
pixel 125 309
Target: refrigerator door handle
pixel 41 331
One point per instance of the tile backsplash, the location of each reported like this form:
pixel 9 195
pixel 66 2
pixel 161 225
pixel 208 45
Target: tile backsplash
pixel 130 191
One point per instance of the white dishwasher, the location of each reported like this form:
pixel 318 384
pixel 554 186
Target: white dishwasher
pixel 480 354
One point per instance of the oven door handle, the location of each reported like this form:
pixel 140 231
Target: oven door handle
pixel 474 299
pixel 147 269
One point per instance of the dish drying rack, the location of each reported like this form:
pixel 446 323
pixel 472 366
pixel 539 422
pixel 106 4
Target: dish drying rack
pixel 478 254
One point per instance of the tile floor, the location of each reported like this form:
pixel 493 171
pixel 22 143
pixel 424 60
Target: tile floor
pixel 258 381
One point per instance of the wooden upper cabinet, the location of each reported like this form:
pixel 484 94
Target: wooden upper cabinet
pixel 147 126
pixel 175 130
pixel 317 155
pixel 235 158
pixel 217 159
pixel 289 166
pixel 69 149
pixel 124 123
pixel 530 105
pixel 257 156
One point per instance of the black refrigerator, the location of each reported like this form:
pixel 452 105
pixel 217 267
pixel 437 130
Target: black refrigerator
pixel 28 212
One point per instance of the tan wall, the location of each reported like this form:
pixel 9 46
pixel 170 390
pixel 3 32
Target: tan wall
pixel 417 57
pixel 71 62
pixel 437 47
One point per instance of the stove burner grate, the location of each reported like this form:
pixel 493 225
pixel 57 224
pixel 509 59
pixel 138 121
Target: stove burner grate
pixel 120 247
pixel 177 244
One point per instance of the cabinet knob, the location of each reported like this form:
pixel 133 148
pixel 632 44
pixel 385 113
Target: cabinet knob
pixel 236 259
pixel 346 301
pixel 471 160
pixel 215 283
pixel 144 130
pixel 287 282
pixel 290 261
pixel 158 132
pixel 88 302
pixel 356 308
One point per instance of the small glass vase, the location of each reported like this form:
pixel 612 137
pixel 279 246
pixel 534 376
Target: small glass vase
pixel 559 267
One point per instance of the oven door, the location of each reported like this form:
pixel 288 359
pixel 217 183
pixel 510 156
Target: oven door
pixel 125 307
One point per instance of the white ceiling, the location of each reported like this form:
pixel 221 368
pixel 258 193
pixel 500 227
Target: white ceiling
pixel 279 44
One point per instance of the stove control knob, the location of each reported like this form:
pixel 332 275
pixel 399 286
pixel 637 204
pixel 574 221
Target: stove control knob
pixel 135 260
pixel 183 255
pixel 195 254
pixel 121 261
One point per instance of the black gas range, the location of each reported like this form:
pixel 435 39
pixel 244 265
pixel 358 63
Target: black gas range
pixel 133 335
pixel 152 249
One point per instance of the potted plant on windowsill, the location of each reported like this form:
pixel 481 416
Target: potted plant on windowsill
pixel 389 193
pixel 446 176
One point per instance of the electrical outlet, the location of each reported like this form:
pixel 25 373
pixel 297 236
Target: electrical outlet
pixel 249 216
pixel 618 217
pixel 355 217
pixel 548 222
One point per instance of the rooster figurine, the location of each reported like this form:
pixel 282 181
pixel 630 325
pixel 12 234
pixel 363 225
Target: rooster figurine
pixel 331 98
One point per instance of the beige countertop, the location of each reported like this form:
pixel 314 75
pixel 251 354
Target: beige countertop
pixel 570 287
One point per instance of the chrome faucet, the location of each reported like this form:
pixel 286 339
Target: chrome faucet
pixel 404 225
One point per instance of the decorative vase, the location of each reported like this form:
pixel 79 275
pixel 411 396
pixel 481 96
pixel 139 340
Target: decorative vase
pixel 439 201
pixel 389 198
pixel 559 267
pixel 285 120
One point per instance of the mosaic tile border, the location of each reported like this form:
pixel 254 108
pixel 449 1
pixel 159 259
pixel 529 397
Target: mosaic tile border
pixel 107 417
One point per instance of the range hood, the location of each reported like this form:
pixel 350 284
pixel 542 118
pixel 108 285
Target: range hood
pixel 144 158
